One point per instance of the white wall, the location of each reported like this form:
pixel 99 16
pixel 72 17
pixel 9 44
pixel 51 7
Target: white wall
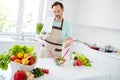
pixel 99 36
pixel 70 10
pixel 93 21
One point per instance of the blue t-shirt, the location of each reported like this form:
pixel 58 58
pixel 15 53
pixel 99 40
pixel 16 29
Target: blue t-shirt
pixel 66 29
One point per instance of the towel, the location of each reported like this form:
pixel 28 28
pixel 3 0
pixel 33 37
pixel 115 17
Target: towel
pixel 48 25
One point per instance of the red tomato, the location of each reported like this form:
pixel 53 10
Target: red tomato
pixel 20 75
pixel 31 61
pixel 13 57
pixel 79 63
pixel 32 57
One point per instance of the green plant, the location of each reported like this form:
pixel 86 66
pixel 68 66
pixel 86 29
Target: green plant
pixel 4 60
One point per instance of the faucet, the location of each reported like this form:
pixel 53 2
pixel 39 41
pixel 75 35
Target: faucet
pixel 22 36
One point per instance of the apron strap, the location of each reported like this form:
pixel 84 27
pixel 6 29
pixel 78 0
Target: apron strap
pixel 53 43
pixel 59 28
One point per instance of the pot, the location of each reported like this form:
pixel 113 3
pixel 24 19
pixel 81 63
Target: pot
pixel 94 47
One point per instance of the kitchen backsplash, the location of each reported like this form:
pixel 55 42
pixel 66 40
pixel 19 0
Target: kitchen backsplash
pixel 97 35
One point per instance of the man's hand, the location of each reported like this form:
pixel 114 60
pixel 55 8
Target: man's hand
pixel 43 36
pixel 68 42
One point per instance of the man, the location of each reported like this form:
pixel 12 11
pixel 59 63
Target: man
pixel 57 32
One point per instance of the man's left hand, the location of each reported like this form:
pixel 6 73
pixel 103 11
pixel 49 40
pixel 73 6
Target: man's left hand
pixel 68 42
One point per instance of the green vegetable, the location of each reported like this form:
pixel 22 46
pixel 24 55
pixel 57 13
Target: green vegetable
pixel 37 72
pixel 83 58
pixel 14 50
pixel 4 60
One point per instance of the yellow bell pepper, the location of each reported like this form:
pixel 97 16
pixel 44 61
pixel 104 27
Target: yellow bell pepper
pixel 20 55
pixel 24 61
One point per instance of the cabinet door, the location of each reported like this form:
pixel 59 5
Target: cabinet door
pixel 115 15
pixel 118 77
pixel 94 12
pixel 109 65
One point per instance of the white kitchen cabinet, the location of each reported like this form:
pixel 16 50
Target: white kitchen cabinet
pixel 107 64
pixel 118 78
pixel 94 12
pixel 98 13
pixel 115 15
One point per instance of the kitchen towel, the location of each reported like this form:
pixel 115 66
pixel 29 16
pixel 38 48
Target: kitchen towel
pixel 48 25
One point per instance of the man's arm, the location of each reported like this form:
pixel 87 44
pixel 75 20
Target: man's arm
pixel 69 38
pixel 68 42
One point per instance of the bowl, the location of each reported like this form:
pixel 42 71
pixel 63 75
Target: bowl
pixel 59 60
pixel 17 66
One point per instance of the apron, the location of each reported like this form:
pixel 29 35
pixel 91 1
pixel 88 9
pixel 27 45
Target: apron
pixel 52 43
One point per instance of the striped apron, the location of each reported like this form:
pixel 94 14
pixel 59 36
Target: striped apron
pixel 52 43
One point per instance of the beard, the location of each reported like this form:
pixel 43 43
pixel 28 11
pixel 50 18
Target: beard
pixel 58 16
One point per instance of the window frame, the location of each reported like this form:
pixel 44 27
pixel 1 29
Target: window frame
pixel 20 18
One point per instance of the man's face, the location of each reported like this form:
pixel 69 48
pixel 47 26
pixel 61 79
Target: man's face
pixel 58 11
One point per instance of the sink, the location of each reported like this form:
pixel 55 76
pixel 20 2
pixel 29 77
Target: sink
pixel 19 39
pixel 25 39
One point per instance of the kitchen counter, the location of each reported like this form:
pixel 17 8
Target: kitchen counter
pixel 67 71
pixel 113 55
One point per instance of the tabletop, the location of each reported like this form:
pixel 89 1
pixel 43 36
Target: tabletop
pixel 65 71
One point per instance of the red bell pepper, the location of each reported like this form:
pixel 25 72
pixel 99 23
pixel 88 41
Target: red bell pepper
pixel 20 75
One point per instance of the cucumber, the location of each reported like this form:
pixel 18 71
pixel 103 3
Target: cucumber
pixel 34 73
pixel 37 73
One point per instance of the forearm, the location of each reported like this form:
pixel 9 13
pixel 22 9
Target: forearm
pixel 68 42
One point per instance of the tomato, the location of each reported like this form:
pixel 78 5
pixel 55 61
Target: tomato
pixel 79 63
pixel 32 61
pixel 32 57
pixel 20 75
pixel 13 57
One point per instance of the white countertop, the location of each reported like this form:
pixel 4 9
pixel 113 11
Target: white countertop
pixel 113 55
pixel 66 71
pixel 69 72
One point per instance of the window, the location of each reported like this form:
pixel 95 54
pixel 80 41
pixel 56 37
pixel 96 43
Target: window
pixel 30 15
pixel 8 15
pixel 17 16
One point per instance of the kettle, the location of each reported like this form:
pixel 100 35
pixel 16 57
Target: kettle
pixel 110 49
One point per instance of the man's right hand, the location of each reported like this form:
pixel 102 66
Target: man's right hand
pixel 43 36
